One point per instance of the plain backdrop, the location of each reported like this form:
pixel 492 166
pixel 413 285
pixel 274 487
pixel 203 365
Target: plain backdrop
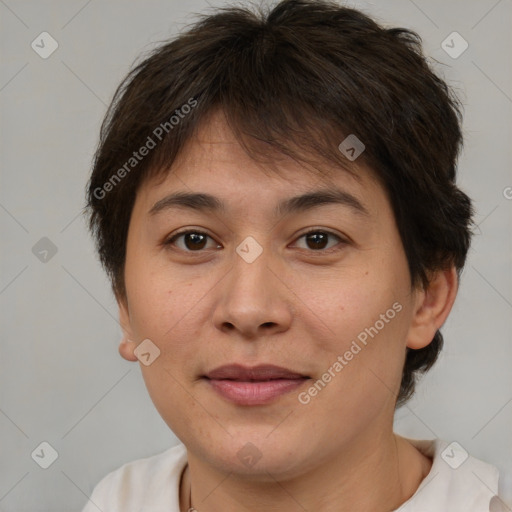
pixel 61 378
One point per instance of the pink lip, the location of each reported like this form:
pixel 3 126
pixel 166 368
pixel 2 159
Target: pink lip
pixel 255 392
pixel 256 385
pixel 246 373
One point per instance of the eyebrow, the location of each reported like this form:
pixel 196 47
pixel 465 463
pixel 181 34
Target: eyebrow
pixel 320 198
pixel 208 203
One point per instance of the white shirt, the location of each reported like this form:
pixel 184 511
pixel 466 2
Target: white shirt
pixel 456 483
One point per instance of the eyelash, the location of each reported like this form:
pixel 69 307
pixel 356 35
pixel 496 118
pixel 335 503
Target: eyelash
pixel 170 241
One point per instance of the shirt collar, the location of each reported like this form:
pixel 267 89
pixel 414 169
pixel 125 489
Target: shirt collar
pixel 456 481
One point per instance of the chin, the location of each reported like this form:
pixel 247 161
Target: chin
pixel 258 455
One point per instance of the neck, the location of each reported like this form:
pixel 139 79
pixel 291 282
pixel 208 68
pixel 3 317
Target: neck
pixel 378 479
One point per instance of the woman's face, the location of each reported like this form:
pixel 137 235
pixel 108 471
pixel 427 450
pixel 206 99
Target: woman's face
pixel 255 289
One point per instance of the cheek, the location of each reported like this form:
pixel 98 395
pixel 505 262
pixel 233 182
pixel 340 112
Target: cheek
pixel 345 305
pixel 158 297
pixel 363 318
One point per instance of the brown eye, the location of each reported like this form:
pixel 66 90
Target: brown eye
pixel 320 240
pixel 317 240
pixel 194 241
pixel 191 241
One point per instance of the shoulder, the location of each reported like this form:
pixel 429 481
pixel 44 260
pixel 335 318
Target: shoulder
pixel 150 484
pixel 457 481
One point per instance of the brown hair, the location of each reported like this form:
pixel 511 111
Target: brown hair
pixel 296 80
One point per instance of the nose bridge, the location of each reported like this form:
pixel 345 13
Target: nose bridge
pixel 252 296
pixel 251 275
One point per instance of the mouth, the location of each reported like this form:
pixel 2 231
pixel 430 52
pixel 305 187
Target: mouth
pixel 257 385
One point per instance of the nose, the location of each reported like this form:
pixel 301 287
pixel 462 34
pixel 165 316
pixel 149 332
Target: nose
pixel 253 299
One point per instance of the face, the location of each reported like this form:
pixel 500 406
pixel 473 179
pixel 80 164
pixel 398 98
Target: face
pixel 319 287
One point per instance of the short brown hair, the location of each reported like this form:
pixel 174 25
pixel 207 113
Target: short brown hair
pixel 295 79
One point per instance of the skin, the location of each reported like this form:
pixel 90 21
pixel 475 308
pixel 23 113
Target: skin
pixel 295 306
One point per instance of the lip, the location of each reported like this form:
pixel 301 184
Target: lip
pixel 256 385
pixel 247 373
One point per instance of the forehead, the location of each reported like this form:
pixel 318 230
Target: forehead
pixel 213 160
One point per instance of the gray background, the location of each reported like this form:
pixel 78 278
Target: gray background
pixel 61 378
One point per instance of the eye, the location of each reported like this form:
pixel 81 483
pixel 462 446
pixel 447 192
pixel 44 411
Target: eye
pixel 318 240
pixel 192 241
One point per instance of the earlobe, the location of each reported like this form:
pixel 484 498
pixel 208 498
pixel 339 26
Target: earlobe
pixel 126 350
pixel 433 306
pixel 126 346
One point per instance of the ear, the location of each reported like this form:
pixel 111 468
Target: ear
pixel 433 304
pixel 126 346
